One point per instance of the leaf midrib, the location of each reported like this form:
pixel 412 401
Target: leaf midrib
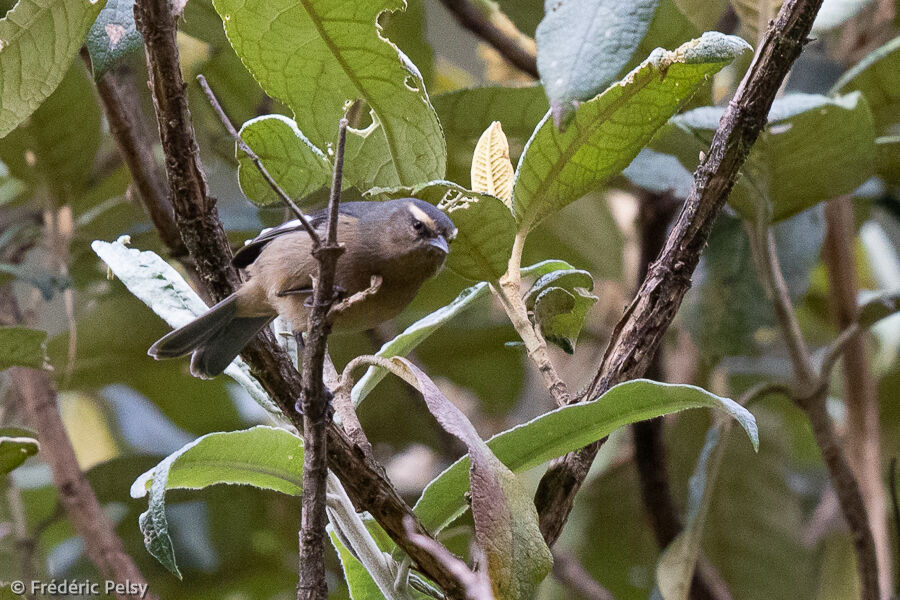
pixel 578 141
pixel 391 141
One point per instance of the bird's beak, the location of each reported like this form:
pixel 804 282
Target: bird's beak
pixel 440 243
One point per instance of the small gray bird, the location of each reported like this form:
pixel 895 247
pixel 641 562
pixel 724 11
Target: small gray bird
pixel 403 241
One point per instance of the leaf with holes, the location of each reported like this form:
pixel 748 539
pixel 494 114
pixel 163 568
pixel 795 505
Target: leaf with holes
pixel 607 132
pixel 315 55
pixel 506 522
pixel 294 163
pixel 492 172
pixel 38 40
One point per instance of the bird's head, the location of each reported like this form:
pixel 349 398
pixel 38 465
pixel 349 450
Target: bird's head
pixel 409 230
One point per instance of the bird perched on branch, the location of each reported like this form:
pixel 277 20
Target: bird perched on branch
pixel 400 243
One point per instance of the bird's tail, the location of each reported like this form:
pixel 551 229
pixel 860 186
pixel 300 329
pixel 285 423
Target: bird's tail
pixel 213 339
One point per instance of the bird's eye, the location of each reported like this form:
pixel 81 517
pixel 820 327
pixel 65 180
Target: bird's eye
pixel 418 225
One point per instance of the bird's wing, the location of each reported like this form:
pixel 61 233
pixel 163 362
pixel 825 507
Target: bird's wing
pixel 250 251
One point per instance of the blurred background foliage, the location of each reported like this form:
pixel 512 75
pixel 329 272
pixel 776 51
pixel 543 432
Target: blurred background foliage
pixel 769 533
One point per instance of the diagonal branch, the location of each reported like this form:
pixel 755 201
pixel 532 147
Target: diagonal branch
pixel 640 331
pixel 478 21
pixel 202 232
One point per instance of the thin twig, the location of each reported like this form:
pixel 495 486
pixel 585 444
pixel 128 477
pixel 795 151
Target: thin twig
pixel 763 389
pixel 316 397
pixel 476 584
pixel 810 397
pixel 863 434
pixel 201 228
pixel 647 318
pixel 572 574
pixel 472 18
pixel 25 542
pixel 254 158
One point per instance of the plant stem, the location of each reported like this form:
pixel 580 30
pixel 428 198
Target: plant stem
pixel 640 331
pixel 316 397
pixel 475 20
pixel 863 437
pixel 201 229
pixel 811 396
pixel 509 292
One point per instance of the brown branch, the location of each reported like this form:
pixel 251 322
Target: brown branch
pixel 572 574
pixel 101 543
pixel 811 396
pixel 121 105
pixel 316 398
pixel 655 213
pixel 473 18
pixel 201 229
pixel 639 333
pixel 863 437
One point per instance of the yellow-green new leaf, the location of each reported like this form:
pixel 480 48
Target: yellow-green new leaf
pixel 607 132
pixel 492 171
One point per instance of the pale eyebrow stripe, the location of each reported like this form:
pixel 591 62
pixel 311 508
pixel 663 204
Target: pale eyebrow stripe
pixel 421 215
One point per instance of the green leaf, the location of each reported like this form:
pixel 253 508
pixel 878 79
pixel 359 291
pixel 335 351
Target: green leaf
pixel 155 283
pixel 315 55
pixel 558 303
pixel 506 521
pixel 466 113
pixel 876 77
pixel 726 308
pixel 22 347
pixel 112 36
pixel 38 40
pixel 486 226
pixel 293 162
pixel 419 331
pixel 879 307
pixel 607 132
pixel 675 568
pixel 814 148
pixel 659 173
pixel 569 428
pixel 16 445
pixel 887 162
pixel 584 44
pixel 359 583
pixel 414 335
pixel 56 146
pixel 263 457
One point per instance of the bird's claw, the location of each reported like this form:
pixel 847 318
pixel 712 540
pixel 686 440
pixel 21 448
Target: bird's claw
pixel 329 406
